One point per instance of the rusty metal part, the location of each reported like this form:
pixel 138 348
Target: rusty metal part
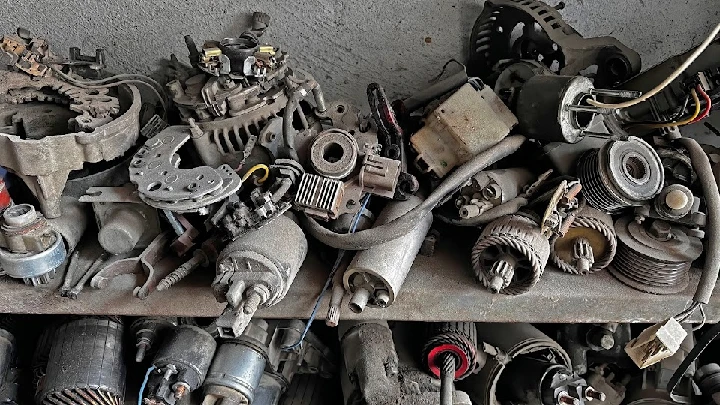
pixel 505 344
pixel 561 209
pixel 256 270
pixel 334 153
pixel 554 43
pixel 589 244
pixel 181 363
pixel 319 197
pixel 124 220
pixel 45 164
pixel 376 275
pixel 469 122
pixel 86 364
pixel 30 249
pixel 161 184
pixel 152 262
pixel 621 174
pixel 654 257
pixel 26 53
pixel 148 331
pixel 510 255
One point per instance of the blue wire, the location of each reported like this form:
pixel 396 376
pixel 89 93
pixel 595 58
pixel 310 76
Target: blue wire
pixel 336 265
pixel 144 383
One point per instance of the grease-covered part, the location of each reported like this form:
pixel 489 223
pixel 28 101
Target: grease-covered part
pixel 654 256
pixel 589 244
pixel 458 339
pixel 510 255
pixel 181 363
pixel 621 174
pixel 86 364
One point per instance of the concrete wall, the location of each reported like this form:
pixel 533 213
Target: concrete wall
pixel 345 44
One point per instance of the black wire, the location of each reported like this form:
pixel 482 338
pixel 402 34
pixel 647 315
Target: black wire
pixel 702 343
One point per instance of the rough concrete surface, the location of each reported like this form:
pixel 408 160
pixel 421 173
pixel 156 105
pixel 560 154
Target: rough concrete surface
pixel 345 44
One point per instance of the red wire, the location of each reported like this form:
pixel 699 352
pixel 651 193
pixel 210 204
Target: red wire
pixel 708 105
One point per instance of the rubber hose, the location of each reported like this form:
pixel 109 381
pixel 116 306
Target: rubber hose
pixel 447 377
pixel 507 208
pixel 401 226
pixel 701 165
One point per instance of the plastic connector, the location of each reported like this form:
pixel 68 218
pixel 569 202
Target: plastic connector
pixel 656 343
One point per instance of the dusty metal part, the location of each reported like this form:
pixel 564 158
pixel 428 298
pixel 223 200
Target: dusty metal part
pixel 334 153
pixel 73 222
pixel 604 380
pixel 256 270
pixel 44 164
pixel 588 246
pixel 199 259
pixel 458 339
pixel 238 366
pixel 621 174
pixel 491 188
pixel 124 220
pixel 511 79
pixel 80 285
pixel 467 123
pixel 504 344
pixel 655 256
pixel 163 185
pixel 678 166
pixel 375 276
pixel 30 249
pixel 554 43
pixel 181 364
pixel 26 53
pixel 148 331
pixel 510 255
pixel 561 209
pixel 86 364
pixel 153 262
pixel 319 197
pixel 676 203
pixel 9 369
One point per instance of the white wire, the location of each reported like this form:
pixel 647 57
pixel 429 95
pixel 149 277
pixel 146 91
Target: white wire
pixel 668 80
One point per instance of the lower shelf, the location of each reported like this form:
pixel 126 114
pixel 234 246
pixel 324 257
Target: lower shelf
pixel 439 288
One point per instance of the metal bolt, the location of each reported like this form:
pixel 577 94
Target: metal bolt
pixel 382 298
pixel 180 391
pixel 252 302
pixel 660 230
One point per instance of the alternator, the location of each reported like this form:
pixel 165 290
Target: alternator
pixel 510 255
pixel 621 174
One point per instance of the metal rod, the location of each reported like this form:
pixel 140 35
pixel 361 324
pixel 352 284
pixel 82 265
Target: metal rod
pixel 447 378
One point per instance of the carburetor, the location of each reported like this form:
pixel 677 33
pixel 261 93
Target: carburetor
pixel 30 248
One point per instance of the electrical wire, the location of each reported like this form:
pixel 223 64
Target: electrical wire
pixel 144 384
pixel 708 105
pixel 328 282
pixel 255 168
pixel 700 49
pixel 686 121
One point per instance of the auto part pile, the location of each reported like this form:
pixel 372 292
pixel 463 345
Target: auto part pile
pixel 236 177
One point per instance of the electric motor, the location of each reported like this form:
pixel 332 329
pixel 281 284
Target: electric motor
pixel 510 255
pixel 621 174
pixel 180 365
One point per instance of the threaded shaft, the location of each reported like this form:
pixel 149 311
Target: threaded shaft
pixel 447 378
pixel 181 272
